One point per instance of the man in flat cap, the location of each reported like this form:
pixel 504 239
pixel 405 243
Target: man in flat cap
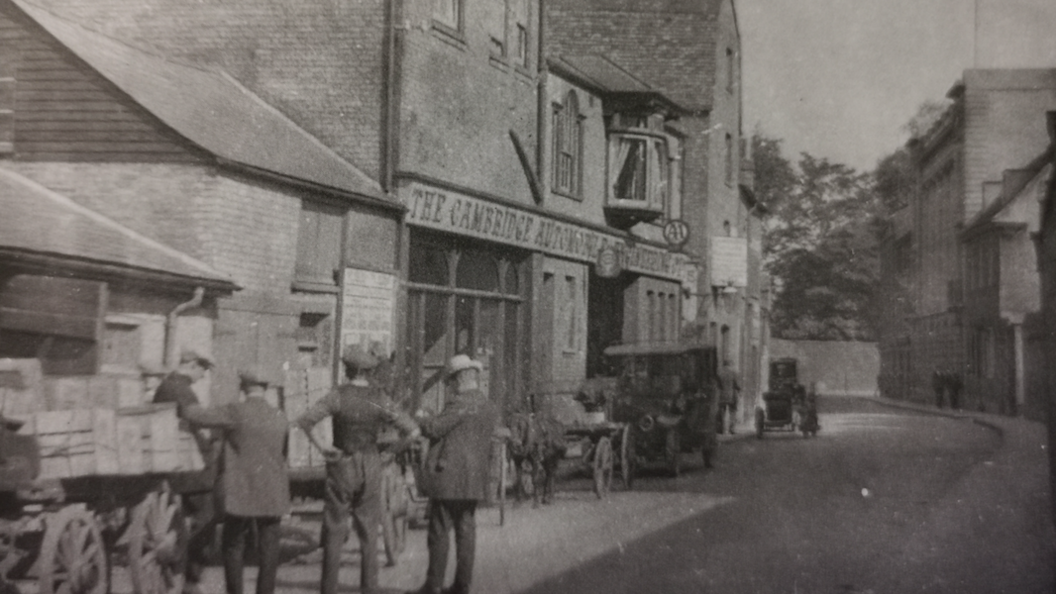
pixel 253 489
pixel 456 472
pixel 360 411
pixel 197 490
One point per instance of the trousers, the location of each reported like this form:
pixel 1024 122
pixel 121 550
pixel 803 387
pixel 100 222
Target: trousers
pixel 234 539
pixel 445 515
pixel 353 487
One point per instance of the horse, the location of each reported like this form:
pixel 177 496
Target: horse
pixel 537 445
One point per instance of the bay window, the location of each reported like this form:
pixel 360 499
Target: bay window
pixel 639 169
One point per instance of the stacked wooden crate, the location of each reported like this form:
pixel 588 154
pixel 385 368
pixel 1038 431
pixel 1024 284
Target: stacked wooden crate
pixel 302 388
pixel 102 441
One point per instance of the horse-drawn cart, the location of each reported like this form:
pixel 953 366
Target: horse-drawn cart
pixel 82 489
pixel 603 447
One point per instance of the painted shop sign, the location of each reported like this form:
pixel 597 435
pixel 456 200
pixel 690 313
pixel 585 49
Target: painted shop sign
pixel 444 210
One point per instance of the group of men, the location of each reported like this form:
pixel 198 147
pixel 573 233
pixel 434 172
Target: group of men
pixel 251 488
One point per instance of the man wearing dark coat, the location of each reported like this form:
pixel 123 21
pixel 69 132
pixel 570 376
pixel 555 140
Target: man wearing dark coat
pixel 729 390
pixel 252 488
pixel 360 411
pixel 197 489
pixel 456 473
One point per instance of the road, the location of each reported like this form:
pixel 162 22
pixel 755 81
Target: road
pixel 884 501
pixel 880 502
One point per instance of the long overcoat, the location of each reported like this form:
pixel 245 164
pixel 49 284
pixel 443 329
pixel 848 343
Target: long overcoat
pixel 253 481
pixel 457 465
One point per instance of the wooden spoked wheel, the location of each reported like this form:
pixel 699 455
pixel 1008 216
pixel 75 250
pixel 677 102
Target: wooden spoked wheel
pixel 603 465
pixel 157 544
pixel 627 457
pixel 73 555
pixel 396 503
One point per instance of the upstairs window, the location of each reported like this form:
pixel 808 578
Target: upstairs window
pixel 729 160
pixel 520 13
pixel 639 168
pixel 495 23
pixel 319 243
pixel 448 13
pixel 568 147
pixel 8 65
pixel 729 70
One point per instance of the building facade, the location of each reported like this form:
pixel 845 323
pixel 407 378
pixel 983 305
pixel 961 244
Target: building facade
pixel 690 51
pixel 944 266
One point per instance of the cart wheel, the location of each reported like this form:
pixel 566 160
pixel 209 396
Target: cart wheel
pixel 627 461
pixel 673 451
pixel 157 544
pixel 603 467
pixel 394 518
pixel 73 555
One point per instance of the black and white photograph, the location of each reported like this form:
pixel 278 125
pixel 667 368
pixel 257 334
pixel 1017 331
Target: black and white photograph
pixel 527 296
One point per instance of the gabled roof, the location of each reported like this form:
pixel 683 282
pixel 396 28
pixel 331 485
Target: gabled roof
pixel 608 78
pixel 1012 188
pixel 209 108
pixel 38 223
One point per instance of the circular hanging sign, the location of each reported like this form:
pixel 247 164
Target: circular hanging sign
pixel 676 232
pixel 608 264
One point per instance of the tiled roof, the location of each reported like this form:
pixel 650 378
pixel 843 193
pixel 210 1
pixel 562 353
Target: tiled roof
pixel 37 221
pixel 1012 188
pixel 606 77
pixel 670 44
pixel 210 108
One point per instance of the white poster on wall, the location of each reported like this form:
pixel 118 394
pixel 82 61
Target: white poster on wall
pixel 368 304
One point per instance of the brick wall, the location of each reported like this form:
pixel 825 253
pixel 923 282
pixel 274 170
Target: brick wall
pixel 320 62
pixel 458 105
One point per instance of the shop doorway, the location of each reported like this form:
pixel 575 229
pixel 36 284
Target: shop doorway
pixel 605 307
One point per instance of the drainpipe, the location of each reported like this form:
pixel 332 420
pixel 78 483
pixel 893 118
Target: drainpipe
pixel 542 108
pixel 393 59
pixel 171 357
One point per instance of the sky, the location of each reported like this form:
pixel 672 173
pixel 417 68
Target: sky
pixel 840 78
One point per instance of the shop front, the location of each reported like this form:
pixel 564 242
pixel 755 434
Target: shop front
pixel 517 289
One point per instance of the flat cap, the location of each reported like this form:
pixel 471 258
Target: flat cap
pixel 252 376
pixel 189 355
pixel 356 356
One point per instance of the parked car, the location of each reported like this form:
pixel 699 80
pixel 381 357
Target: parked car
pixel 667 393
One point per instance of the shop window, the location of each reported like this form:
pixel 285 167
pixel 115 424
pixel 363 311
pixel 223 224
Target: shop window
pixel 568 147
pixel 477 270
pixel 428 265
pixel 640 169
pixel 513 279
pixel 319 243
pixel 448 14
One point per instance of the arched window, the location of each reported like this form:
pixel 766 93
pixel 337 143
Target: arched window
pixel 568 147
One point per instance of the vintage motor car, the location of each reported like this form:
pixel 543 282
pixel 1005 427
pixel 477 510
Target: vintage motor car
pixel 667 393
pixel 787 404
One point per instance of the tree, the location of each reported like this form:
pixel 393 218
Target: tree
pixel 821 244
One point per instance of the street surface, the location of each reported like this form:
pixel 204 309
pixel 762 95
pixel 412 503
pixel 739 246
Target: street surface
pixel 884 500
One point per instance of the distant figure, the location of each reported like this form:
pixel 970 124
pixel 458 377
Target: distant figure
pixel 938 383
pixel 955 384
pixel 729 391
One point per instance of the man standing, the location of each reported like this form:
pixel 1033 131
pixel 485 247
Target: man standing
pixel 353 465
pixel 729 391
pixel 253 488
pixel 456 473
pixel 197 490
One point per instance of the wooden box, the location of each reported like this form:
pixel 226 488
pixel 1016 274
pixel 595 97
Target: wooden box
pixel 21 387
pixel 104 441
